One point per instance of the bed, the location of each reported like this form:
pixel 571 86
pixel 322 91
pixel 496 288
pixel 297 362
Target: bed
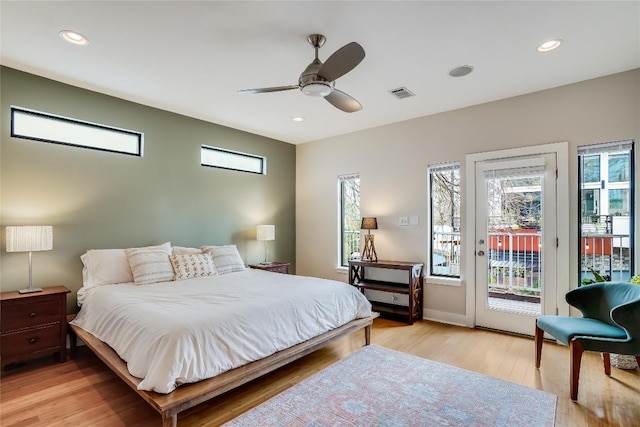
pixel 180 343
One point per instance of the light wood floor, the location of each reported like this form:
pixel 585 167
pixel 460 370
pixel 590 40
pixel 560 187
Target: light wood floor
pixel 83 392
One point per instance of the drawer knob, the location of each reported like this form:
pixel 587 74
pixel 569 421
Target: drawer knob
pixel 32 314
pixel 32 340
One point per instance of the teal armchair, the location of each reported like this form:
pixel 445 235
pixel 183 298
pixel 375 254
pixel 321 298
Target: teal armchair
pixel 610 324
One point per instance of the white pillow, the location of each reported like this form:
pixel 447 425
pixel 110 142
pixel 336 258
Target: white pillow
pixel 108 266
pixel 188 266
pixel 225 258
pixel 179 250
pixel 150 265
pixel 105 267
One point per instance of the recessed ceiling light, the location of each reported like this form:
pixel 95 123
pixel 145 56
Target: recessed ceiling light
pixel 73 37
pixel 461 71
pixel 298 119
pixel 549 45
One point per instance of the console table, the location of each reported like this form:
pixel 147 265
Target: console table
pixel 412 288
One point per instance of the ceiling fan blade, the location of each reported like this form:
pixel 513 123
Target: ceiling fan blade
pixel 342 61
pixel 343 102
pixel 269 89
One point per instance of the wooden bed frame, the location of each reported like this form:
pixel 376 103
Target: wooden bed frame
pixel 189 395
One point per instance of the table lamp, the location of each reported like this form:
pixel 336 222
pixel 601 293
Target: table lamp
pixel 29 238
pixel 266 233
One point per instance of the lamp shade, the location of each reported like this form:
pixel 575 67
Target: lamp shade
pixel 29 238
pixel 266 232
pixel 369 223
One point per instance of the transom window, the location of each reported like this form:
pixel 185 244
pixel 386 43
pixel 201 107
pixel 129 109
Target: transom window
pixel 232 160
pixel 45 127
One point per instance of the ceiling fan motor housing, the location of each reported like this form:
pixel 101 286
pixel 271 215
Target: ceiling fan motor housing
pixel 313 85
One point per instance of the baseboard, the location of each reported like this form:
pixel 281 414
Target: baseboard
pixel 444 317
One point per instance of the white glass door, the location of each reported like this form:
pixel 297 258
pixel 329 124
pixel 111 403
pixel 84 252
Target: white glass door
pixel 515 242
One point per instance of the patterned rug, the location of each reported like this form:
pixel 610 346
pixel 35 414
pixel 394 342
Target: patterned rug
pixel 380 387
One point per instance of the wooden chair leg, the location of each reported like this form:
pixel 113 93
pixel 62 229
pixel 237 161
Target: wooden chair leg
pixel 575 349
pixel 539 338
pixel 606 357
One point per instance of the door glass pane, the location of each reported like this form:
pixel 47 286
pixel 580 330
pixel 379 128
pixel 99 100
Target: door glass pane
pixel 514 224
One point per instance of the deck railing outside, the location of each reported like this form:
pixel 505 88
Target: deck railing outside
pixel 446 254
pixel 351 244
pixel 514 264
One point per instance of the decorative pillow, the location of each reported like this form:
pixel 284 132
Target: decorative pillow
pixel 109 266
pixel 226 258
pixel 150 265
pixel 179 250
pixel 189 266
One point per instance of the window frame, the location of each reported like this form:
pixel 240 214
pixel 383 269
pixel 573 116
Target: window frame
pixel 605 186
pixel 263 160
pixel 443 279
pixel 138 152
pixel 341 219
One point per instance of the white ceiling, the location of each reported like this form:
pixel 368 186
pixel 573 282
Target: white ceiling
pixel 192 57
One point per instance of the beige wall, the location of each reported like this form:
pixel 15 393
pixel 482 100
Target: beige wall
pixel 392 161
pixel 96 199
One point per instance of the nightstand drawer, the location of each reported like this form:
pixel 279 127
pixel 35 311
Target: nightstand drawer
pixel 30 313
pixel 31 341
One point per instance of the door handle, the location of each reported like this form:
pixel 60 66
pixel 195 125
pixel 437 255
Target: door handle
pixel 480 253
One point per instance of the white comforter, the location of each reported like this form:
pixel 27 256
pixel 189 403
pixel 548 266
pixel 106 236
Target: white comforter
pixel 185 331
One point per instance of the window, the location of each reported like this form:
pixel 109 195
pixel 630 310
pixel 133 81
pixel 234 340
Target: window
pixel 37 126
pixel 619 202
pixel 619 167
pixel 232 160
pixel 591 168
pixel 606 212
pixel 444 216
pixel 349 193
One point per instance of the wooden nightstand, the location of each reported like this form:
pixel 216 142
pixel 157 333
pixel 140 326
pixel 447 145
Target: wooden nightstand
pixel 276 267
pixel 33 325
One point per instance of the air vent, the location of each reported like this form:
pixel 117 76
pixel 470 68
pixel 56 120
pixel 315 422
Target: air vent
pixel 401 93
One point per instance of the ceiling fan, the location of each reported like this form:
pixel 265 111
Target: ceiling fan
pixel 318 79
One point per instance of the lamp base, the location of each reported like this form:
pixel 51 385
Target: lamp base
pixel 29 291
pixel 369 251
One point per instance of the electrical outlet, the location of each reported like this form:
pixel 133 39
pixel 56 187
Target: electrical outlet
pixel 403 220
pixel 413 220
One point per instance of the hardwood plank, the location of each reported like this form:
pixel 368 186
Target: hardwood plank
pixel 84 392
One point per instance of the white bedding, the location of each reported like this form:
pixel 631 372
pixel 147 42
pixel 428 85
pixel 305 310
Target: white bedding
pixel 180 332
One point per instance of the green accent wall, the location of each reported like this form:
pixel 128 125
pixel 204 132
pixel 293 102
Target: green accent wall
pixel 96 199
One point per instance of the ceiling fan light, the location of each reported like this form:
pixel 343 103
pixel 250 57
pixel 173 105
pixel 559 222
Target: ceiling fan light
pixel 317 89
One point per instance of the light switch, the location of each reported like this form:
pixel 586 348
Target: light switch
pixel 413 220
pixel 403 220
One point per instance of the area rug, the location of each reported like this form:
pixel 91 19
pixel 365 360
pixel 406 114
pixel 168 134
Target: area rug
pixel 380 387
